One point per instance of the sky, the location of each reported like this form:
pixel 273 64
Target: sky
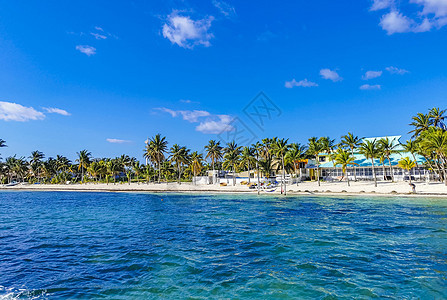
pixel 106 75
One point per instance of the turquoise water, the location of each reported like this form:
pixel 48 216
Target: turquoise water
pixel 119 246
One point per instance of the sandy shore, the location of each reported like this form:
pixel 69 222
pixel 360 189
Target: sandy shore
pixel 356 188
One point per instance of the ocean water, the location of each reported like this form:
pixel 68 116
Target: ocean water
pixel 58 245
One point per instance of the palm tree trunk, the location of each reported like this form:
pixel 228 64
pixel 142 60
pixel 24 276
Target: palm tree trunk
pixel 248 173
pixel 444 169
pixel 318 170
pixel 430 165
pixel 234 177
pixel 159 171
pixel 374 172
pixel 391 169
pixel 439 171
pixel 179 173
pixel 257 170
pixel 284 176
pixel 335 167
pixel 347 177
pixel 384 171
pixel 409 175
pixel 213 170
pixel 417 166
pixel 355 172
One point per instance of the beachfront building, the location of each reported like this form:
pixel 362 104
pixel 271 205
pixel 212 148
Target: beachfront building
pixel 305 171
pixel 363 168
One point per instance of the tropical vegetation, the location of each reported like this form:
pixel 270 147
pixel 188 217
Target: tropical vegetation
pixel 267 158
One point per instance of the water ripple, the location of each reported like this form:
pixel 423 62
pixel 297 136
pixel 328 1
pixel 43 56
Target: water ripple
pixel 120 246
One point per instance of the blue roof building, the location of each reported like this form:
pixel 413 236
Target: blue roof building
pixel 363 166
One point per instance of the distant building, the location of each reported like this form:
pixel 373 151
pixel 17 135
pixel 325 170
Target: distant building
pixel 363 167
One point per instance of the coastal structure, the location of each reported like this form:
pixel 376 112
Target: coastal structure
pixel 385 169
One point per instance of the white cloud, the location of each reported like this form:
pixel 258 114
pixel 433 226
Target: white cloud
pixel 57 111
pixel 99 28
pixel 208 123
pixel 436 7
pixel 88 50
pixel 301 83
pixel 223 124
pixel 432 15
pixel 394 70
pixel 191 116
pixel 395 22
pixel 98 36
pixel 117 141
pixel 187 33
pixel 226 9
pixel 381 4
pixel 372 74
pixel 370 87
pixel 15 112
pixel 329 74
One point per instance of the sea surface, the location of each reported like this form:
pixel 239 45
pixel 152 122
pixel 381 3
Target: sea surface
pixel 59 245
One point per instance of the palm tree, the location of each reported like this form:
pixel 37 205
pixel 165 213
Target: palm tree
pixel 266 166
pixel 437 117
pixel 36 156
pixel 231 158
pixel 295 154
pixel 196 164
pixel 148 171
pixel 382 159
pixel 125 163
pixel 352 142
pixel 17 167
pixel 407 164
pixel 167 170
pixel 214 152
pixel 83 160
pixel 247 159
pixel 257 148
pixel 279 149
pixel 156 149
pixel 421 122
pixel 328 146
pixel 94 169
pixel 62 163
pixel 36 162
pixel 411 146
pixel 344 158
pixel 137 169
pixel 388 147
pixel 435 140
pixel 179 156
pixel 314 148
pixel 2 144
pixel 371 151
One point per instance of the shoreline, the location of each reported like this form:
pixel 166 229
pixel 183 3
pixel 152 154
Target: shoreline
pixel 384 189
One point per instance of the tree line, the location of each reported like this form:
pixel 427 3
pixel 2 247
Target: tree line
pixel 268 157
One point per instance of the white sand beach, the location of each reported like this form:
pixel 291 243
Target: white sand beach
pixel 360 188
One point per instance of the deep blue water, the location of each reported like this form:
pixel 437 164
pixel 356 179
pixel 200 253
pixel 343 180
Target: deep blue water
pixel 122 245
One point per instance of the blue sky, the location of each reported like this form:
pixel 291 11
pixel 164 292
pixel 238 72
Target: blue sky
pixel 105 75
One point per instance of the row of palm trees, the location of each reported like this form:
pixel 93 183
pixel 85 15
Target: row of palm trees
pixel 268 157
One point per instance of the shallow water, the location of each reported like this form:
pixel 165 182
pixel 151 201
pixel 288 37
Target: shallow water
pixel 121 245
